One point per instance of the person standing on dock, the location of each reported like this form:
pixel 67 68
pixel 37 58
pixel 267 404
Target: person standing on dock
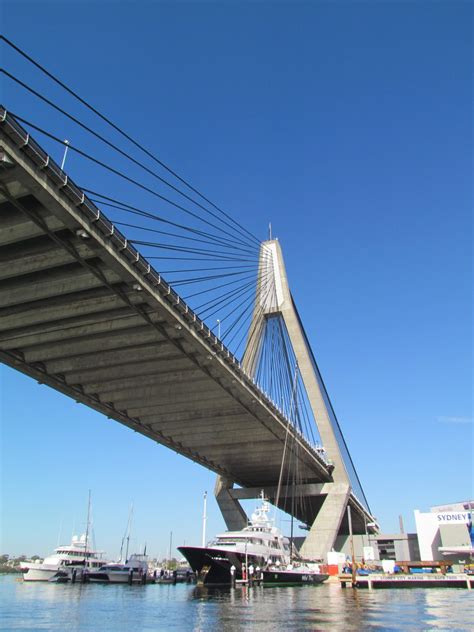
pixel 251 571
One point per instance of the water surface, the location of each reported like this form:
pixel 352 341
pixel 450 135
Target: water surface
pixel 96 607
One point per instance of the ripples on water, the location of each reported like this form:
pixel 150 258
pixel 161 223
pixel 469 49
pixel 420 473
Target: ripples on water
pixel 99 608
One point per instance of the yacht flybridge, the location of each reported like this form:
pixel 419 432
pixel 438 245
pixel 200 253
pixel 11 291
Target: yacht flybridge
pixel 260 545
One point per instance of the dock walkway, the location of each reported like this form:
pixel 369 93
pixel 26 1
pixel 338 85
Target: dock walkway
pixel 420 580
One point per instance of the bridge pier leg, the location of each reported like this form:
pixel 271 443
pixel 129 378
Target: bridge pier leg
pixel 325 528
pixel 232 512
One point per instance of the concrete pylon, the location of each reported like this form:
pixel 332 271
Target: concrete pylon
pixel 234 516
pixel 273 298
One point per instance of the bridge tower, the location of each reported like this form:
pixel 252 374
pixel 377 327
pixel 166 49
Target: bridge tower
pixel 274 300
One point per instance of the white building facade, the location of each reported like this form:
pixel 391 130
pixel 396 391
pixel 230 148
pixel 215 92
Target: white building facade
pixel 446 532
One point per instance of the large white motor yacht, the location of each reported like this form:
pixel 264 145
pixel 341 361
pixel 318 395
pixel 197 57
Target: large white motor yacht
pixel 67 562
pixel 260 544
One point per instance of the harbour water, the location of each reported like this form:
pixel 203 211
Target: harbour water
pixel 119 608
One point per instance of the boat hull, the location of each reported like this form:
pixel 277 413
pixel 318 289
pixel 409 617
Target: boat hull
pixel 294 577
pixel 116 578
pixel 213 566
pixel 51 574
pixel 40 574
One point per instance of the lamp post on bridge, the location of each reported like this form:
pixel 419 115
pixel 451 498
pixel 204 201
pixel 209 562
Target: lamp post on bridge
pixel 66 147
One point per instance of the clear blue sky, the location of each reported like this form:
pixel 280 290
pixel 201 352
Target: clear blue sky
pixel 348 125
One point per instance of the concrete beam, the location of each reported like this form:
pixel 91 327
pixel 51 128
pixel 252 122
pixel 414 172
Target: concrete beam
pixel 287 491
pixel 166 391
pixel 206 428
pixel 131 338
pixel 58 282
pixel 217 417
pixel 131 369
pixel 232 452
pixel 234 455
pixel 240 445
pixel 33 260
pixel 268 471
pixel 224 411
pixel 98 359
pixel 15 228
pixel 59 309
pixel 208 437
pixel 184 407
pixel 173 377
pixel 89 325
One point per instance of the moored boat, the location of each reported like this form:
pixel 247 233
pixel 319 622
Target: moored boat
pixel 293 575
pixel 258 552
pixel 67 562
pixel 133 571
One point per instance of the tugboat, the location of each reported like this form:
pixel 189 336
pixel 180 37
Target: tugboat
pixel 260 545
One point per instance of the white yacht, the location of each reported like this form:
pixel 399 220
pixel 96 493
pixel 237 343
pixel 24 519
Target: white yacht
pixel 132 571
pixel 260 544
pixel 66 563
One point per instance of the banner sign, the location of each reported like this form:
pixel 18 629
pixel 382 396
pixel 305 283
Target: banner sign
pixel 454 517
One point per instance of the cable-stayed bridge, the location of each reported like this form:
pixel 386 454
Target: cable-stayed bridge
pixel 205 354
pixel 83 312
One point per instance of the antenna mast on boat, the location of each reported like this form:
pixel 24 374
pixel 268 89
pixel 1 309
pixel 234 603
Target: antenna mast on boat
pixel 204 520
pixel 87 526
pixel 171 546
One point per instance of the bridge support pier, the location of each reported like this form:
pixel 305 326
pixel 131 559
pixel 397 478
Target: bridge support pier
pixel 326 525
pixel 232 512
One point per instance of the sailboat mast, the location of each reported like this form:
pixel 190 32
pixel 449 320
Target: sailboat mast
pixel 87 526
pixel 130 516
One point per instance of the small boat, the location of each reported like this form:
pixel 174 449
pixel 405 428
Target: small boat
pixel 133 571
pixel 293 575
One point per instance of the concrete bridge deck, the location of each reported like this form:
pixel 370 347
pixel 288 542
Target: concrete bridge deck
pixel 82 311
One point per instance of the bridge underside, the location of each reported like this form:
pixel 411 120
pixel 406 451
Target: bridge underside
pixel 82 312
